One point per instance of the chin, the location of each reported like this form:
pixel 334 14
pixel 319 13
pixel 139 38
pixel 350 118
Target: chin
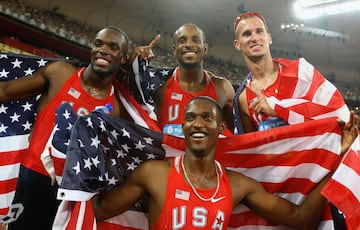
pixel 199 152
pixel 189 66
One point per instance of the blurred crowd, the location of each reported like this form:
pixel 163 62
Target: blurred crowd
pixel 82 33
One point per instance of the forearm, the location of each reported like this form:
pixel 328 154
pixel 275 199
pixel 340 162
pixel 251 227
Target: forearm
pixel 312 207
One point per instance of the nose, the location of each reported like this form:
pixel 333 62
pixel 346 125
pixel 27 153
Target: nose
pixel 254 37
pixel 198 122
pixel 189 43
pixel 104 49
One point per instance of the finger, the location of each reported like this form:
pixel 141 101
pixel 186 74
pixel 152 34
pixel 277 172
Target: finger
pixel 254 102
pixel 155 41
pixel 258 93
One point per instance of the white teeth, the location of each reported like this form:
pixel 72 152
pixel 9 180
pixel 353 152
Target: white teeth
pixel 198 135
pixel 189 53
pixel 101 61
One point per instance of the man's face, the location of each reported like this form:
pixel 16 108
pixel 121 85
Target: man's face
pixel 202 126
pixel 252 38
pixel 189 46
pixel 108 52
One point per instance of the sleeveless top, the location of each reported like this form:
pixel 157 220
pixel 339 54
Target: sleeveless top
pixel 82 102
pixel 262 121
pixel 183 209
pixel 175 99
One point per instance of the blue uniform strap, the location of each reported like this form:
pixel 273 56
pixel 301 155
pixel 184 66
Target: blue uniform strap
pixel 238 127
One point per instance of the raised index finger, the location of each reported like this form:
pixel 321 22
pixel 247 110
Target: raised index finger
pixel 155 41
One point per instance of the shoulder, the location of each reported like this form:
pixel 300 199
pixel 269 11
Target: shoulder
pixel 151 167
pixel 241 184
pixel 221 83
pixel 59 68
pixel 215 77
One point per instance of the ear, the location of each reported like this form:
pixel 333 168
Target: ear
pixel 237 45
pixel 173 49
pixel 206 47
pixel 124 60
pixel 222 127
pixel 270 39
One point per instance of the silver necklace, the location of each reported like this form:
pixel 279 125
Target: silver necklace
pixel 193 187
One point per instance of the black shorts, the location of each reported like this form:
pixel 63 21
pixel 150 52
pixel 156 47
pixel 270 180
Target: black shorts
pixel 38 198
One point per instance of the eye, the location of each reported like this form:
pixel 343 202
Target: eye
pixel 207 117
pixel 181 40
pixel 97 43
pixel 189 117
pixel 259 31
pixel 197 40
pixel 114 47
pixel 246 33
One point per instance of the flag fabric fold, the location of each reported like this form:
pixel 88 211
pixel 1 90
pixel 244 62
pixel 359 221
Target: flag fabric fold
pixel 343 189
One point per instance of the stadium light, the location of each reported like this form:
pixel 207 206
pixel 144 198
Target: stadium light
pixel 306 9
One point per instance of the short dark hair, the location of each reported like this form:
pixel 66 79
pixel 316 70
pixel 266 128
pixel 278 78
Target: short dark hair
pixel 126 37
pixel 202 33
pixel 219 109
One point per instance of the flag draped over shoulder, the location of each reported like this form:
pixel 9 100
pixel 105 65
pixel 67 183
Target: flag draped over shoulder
pixel 16 120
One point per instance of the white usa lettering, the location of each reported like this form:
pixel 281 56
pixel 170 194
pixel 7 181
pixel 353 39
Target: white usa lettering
pixel 199 218
pixel 173 112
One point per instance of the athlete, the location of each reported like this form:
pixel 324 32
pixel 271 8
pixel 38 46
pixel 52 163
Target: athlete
pixel 85 89
pixel 188 80
pixel 184 191
pixel 279 91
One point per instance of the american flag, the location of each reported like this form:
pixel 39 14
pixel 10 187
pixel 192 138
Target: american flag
pixel 102 151
pixel 16 120
pixel 303 154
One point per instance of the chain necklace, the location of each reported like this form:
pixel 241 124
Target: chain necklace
pixel 271 76
pixel 193 187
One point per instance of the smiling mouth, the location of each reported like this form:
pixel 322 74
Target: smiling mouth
pixel 256 46
pixel 101 61
pixel 198 135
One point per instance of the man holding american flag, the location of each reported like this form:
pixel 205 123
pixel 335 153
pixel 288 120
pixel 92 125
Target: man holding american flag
pixel 279 91
pixel 35 203
pixel 193 191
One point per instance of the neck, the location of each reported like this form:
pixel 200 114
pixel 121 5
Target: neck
pixel 200 166
pixel 261 68
pixel 190 75
pixel 95 85
pixel 208 178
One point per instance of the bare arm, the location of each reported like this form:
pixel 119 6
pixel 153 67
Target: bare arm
pixel 150 177
pixel 53 74
pixel 278 210
pixel 225 92
pixel 247 123
pixel 120 198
